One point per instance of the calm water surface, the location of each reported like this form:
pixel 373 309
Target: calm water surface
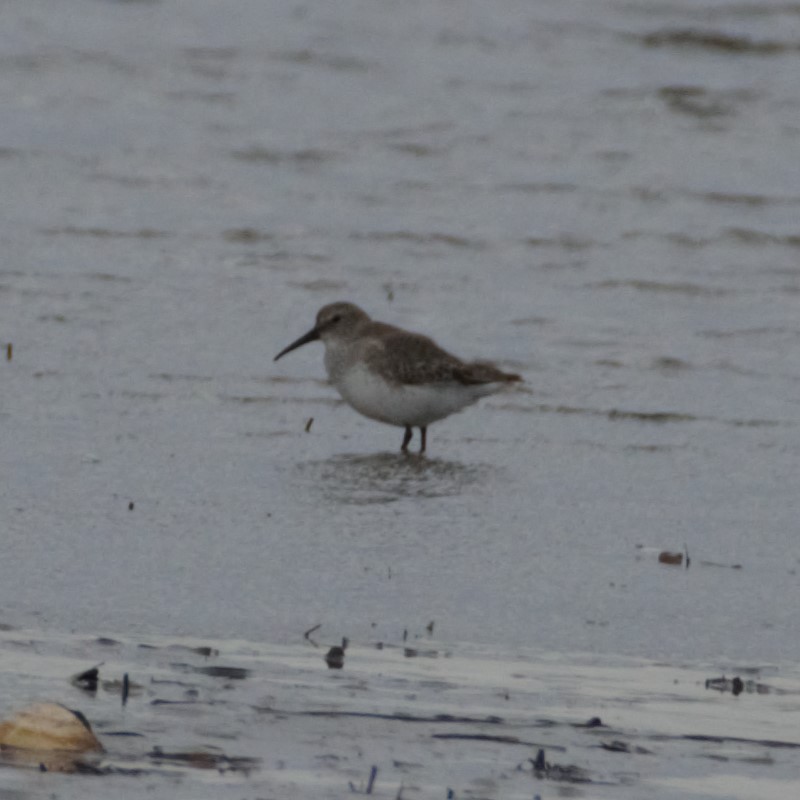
pixel 603 196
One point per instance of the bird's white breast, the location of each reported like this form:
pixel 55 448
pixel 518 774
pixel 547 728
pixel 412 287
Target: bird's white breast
pixel 414 405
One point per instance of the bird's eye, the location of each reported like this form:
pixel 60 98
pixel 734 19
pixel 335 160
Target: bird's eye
pixel 336 317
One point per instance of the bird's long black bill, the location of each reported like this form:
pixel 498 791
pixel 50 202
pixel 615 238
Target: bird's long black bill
pixel 311 336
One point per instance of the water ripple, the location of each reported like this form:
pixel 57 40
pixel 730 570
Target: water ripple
pixel 380 478
pixel 717 41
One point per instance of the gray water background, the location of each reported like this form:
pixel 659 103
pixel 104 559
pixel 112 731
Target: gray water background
pixel 601 195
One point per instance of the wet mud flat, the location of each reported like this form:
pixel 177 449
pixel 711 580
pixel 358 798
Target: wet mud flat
pixel 407 719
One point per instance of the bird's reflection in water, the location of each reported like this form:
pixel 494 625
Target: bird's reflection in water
pixel 387 477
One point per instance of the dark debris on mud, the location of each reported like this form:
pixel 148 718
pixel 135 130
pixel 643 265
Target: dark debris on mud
pixel 419 721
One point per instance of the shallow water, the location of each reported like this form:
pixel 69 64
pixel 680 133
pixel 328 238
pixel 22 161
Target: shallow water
pixel 232 718
pixel 602 196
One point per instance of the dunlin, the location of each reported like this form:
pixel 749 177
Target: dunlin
pixel 395 376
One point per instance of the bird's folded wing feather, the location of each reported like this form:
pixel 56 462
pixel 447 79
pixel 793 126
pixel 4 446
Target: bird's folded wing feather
pixel 416 359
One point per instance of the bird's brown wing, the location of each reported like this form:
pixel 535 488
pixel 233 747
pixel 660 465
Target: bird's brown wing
pixel 411 359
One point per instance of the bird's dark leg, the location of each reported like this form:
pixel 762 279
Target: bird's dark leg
pixel 406 439
pixel 424 434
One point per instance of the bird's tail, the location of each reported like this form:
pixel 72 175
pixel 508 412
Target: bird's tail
pixel 479 372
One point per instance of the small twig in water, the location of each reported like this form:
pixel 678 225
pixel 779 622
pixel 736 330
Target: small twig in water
pixel 309 424
pixel 372 775
pixel 307 634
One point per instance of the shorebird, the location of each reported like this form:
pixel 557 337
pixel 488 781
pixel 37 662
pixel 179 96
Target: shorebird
pixel 395 376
